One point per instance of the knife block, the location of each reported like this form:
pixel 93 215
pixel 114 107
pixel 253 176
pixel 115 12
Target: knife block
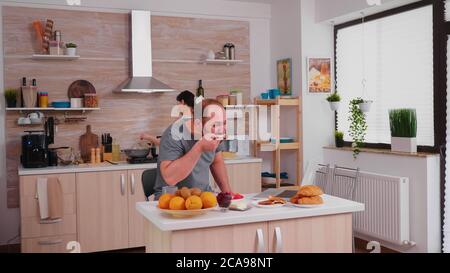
pixel 107 152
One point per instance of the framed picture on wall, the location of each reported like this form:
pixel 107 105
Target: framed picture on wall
pixel 319 75
pixel 284 76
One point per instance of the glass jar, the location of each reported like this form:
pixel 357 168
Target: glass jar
pixel 55 48
pixel 43 100
pixel 90 101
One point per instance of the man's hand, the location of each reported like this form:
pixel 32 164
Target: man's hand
pixel 208 145
pixel 148 137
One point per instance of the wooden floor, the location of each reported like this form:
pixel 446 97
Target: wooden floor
pixel 360 246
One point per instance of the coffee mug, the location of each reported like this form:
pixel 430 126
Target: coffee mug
pixel 24 121
pixel 33 116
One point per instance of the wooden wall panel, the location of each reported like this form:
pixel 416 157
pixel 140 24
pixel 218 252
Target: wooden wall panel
pixel 103 40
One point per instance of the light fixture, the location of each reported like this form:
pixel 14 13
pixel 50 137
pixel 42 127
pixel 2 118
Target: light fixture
pixel 373 2
pixel 73 2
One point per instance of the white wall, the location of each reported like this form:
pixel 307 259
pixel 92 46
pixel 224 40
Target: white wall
pixel 424 184
pixel 346 10
pixel 258 15
pixel 285 43
pixel 318 120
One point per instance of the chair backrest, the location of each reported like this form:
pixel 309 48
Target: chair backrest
pixel 316 174
pixel 344 181
pixel 149 181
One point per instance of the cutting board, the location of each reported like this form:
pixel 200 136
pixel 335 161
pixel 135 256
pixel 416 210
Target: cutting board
pixel 87 142
pixel 78 88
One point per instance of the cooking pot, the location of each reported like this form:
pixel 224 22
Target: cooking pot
pixel 137 153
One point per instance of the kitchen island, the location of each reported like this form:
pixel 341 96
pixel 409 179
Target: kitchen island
pixel 327 228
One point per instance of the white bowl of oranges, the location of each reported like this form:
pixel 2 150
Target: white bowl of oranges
pixel 187 203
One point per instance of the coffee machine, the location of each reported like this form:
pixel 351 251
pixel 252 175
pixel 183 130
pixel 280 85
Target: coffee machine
pixel 35 146
pixel 34 150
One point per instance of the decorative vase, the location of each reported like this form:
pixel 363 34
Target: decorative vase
pixel 71 51
pixel 365 106
pixel 335 105
pixel 404 144
pixel 339 142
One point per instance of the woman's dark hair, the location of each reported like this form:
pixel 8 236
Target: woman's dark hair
pixel 187 97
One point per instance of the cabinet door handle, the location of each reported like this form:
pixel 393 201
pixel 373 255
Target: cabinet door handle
pixel 278 240
pixel 133 184
pixel 261 248
pixel 50 243
pixel 122 184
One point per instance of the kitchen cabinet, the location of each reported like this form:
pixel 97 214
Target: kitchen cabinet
pixel 248 238
pixel 53 244
pixel 34 232
pixel 102 210
pixel 327 234
pixel 244 178
pixel 135 219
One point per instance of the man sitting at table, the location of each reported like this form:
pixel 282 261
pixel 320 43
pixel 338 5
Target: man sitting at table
pixel 191 147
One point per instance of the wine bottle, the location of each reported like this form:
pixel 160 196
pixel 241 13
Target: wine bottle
pixel 24 85
pixel 200 90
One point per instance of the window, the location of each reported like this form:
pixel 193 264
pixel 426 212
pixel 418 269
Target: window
pixel 447 10
pixel 398 68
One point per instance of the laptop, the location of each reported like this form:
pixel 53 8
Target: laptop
pixel 281 193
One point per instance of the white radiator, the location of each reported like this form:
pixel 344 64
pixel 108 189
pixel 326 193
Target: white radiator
pixel 386 199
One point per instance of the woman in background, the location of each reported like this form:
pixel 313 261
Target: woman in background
pixel 184 98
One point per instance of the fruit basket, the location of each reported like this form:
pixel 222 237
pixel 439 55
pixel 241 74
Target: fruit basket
pixel 186 213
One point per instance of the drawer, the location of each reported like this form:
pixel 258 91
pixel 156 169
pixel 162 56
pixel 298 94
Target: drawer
pixel 52 244
pixel 31 227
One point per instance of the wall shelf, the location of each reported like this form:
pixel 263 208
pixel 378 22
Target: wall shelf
pixel 222 62
pixel 51 109
pixel 54 57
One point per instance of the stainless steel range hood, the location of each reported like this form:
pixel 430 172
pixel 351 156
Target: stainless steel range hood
pixel 142 80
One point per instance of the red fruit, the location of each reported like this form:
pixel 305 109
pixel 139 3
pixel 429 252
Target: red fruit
pixel 238 196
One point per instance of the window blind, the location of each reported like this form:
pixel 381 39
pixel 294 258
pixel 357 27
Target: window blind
pixel 447 10
pixel 397 59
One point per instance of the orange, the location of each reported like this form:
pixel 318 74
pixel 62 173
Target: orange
pixel 194 203
pixel 164 201
pixel 177 203
pixel 209 200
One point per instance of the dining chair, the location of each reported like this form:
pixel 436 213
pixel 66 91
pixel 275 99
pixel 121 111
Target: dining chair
pixel 148 182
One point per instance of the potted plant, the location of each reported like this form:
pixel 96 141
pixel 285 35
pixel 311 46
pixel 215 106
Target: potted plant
pixel 334 100
pixel 71 49
pixel 365 105
pixel 339 139
pixel 403 130
pixel 358 125
pixel 11 97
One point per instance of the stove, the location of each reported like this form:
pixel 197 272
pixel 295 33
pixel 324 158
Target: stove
pixel 144 160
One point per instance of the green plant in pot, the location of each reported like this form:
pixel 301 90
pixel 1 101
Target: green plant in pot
pixel 334 100
pixel 11 97
pixel 339 139
pixel 358 126
pixel 403 124
pixel 71 49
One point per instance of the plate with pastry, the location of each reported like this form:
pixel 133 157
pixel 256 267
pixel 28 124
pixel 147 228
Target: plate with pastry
pixel 271 203
pixel 308 197
pixel 309 202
